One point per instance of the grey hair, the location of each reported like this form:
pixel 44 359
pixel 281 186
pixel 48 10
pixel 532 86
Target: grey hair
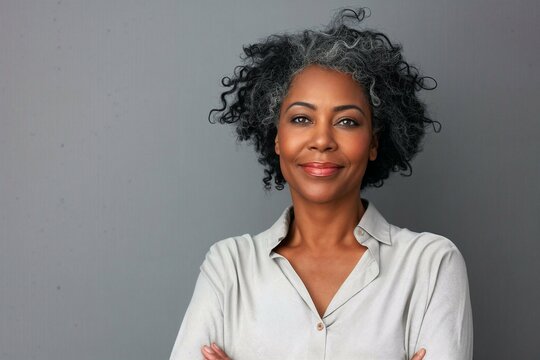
pixel 257 89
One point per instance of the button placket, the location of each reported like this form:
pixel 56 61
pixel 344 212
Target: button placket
pixel 320 340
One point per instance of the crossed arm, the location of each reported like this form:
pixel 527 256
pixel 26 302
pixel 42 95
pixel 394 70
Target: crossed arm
pixel 213 352
pixel 445 333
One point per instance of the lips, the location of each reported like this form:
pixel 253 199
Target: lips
pixel 321 169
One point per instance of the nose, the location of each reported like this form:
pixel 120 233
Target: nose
pixel 322 137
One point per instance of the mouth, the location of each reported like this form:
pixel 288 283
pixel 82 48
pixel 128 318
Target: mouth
pixel 321 169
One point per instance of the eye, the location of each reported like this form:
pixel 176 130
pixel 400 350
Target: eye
pixel 348 122
pixel 301 120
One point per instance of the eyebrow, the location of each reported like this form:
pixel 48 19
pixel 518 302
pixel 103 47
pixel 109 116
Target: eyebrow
pixel 336 109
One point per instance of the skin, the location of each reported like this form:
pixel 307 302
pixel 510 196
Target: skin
pixel 325 117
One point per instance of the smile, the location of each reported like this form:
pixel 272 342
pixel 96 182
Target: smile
pixel 321 169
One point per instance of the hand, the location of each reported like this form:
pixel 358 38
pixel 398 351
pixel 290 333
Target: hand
pixel 213 352
pixel 419 354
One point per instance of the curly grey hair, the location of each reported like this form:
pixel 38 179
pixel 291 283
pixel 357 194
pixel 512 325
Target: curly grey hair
pixel 257 88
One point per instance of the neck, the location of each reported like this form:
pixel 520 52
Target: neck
pixel 320 228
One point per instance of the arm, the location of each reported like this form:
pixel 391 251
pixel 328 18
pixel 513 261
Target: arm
pixel 213 352
pixel 203 321
pixel 447 327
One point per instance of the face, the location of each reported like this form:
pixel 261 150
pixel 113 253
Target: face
pixel 325 137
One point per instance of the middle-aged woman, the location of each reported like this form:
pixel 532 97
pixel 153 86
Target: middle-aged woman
pixel 330 112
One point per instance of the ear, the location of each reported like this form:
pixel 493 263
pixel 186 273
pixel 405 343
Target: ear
pixel 373 147
pixel 276 146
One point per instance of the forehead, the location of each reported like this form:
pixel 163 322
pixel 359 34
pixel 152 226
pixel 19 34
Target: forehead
pixel 316 82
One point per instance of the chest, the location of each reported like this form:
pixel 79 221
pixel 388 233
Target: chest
pixel 323 275
pixel 276 321
pixel 372 311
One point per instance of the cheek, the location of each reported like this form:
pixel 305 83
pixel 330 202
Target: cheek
pixel 288 147
pixel 357 149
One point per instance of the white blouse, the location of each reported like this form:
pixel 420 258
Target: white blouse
pixel 408 290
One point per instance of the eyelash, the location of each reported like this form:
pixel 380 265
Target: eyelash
pixel 293 120
pixel 353 123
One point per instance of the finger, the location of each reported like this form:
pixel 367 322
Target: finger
pixel 219 351
pixel 419 354
pixel 205 354
pixel 209 354
pixel 205 357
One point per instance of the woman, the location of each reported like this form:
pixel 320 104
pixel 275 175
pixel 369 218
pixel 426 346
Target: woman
pixel 330 112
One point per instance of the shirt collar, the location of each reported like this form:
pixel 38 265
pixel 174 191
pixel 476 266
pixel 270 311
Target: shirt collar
pixel 372 222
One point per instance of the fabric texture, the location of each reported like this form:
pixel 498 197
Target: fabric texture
pixel 408 290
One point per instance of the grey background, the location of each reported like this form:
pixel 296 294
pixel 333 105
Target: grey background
pixel 113 184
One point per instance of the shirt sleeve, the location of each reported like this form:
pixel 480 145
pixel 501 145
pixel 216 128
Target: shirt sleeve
pixel 203 321
pixel 447 327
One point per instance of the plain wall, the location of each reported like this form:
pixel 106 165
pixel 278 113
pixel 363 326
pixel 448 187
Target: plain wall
pixel 113 184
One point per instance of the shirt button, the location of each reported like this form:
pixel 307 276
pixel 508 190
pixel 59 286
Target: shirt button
pixel 320 326
pixel 361 232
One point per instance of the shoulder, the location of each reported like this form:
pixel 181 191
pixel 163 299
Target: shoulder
pixel 403 241
pixel 229 250
pixel 226 258
pixel 236 257
pixel 426 250
pixel 431 259
pixel 426 242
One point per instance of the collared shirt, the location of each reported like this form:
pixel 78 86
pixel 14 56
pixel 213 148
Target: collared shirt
pixel 408 290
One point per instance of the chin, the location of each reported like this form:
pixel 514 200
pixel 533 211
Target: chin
pixel 320 194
